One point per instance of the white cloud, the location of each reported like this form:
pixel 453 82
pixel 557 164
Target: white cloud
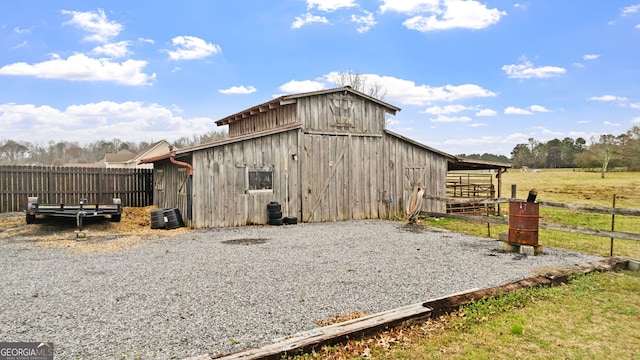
pixel 364 22
pixel 308 18
pixel 526 70
pixel 407 92
pixel 637 26
pixel 486 112
pixel 515 138
pixel 443 110
pixel 635 120
pixel 450 119
pixel 580 122
pixel 80 67
pixel 96 23
pixel 17 30
pixel 607 98
pixel 21 45
pixel 538 108
pixel 511 110
pixel 453 14
pixel 609 123
pixel 579 65
pixel 294 86
pixel 545 131
pixel 477 125
pixel 630 10
pixel 590 56
pixel 330 5
pixel 634 105
pixel 409 7
pixel 520 6
pixel 238 90
pixel 127 121
pixel 191 48
pixel 114 50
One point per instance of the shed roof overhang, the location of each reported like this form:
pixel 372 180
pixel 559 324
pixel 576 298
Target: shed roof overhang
pixel 472 164
pixel 189 150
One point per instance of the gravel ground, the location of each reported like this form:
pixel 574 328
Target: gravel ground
pixel 222 290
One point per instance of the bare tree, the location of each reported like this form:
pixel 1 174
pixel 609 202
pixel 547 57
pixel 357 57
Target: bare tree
pixel 603 150
pixel 362 83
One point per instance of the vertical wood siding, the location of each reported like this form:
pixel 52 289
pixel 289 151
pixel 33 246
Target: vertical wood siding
pixel 169 186
pixel 261 121
pixel 328 113
pixel 68 185
pixel 219 189
pixel 409 164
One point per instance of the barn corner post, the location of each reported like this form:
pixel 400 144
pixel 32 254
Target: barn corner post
pixel 172 155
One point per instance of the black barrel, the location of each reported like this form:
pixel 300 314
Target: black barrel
pixel 157 219
pixel 174 219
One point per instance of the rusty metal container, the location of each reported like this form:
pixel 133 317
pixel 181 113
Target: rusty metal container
pixel 523 223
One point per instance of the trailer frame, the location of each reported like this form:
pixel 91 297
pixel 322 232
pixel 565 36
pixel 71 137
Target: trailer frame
pixel 78 211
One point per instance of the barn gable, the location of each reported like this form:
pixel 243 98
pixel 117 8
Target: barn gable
pixel 334 110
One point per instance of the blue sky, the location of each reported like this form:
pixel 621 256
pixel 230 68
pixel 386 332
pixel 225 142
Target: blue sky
pixel 470 76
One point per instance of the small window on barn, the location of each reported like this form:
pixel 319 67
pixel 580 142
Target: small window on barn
pixel 260 178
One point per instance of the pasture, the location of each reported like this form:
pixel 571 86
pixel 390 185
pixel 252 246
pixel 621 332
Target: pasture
pixel 569 187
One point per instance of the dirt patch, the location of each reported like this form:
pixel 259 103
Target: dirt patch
pixel 341 318
pixel 99 234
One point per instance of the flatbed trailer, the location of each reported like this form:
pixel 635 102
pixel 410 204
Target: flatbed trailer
pixel 78 211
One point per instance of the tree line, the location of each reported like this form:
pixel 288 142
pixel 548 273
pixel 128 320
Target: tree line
pixel 604 152
pixel 68 152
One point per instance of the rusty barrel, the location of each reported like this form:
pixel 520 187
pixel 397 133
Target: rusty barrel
pixel 523 222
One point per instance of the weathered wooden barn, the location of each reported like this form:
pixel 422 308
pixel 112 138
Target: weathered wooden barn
pixel 323 155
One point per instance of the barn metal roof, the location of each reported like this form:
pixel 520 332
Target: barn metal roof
pixel 456 162
pixel 292 99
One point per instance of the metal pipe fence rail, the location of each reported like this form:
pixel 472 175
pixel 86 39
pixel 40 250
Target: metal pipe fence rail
pixel 61 184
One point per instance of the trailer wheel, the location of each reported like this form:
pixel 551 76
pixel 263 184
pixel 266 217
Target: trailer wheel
pixel 116 218
pixel 31 218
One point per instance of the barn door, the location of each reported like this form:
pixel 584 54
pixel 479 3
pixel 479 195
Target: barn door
pixel 325 172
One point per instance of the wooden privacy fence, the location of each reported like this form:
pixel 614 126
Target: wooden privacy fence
pixel 574 229
pixel 68 185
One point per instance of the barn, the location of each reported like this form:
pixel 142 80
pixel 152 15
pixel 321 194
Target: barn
pixel 322 155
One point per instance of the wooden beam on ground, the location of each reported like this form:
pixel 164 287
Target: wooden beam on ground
pixel 405 316
pixel 551 278
pixel 333 334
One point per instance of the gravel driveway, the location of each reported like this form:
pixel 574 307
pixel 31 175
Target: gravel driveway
pixel 222 290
